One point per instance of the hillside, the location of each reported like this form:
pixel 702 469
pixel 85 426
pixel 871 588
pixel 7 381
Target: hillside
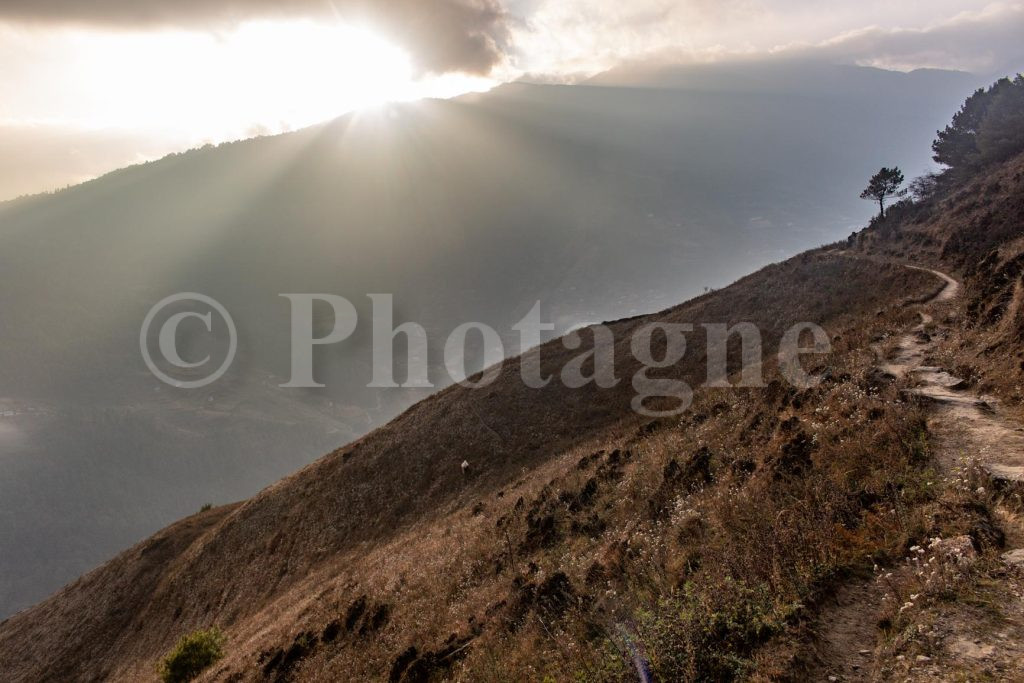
pixel 601 201
pixel 392 518
pixel 584 538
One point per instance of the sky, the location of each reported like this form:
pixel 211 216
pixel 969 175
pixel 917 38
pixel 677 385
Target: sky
pixel 86 87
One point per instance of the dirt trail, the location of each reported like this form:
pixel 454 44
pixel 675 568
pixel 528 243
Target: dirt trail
pixel 995 442
pixel 962 425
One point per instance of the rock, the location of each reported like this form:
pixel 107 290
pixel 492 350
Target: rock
pixel 973 650
pixel 1014 558
pixel 1005 475
pixel 924 659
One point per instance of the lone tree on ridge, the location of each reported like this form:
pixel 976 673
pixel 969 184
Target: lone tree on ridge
pixel 884 184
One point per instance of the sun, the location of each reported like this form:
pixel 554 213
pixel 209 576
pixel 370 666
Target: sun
pixel 189 87
pixel 305 72
pixel 262 76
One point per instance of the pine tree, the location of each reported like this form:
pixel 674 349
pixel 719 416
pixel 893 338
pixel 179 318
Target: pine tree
pixel 1002 131
pixel 884 184
pixel 987 128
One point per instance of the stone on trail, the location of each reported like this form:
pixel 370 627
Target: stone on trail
pixel 1014 558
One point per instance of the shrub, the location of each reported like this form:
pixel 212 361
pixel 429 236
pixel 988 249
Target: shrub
pixel 193 653
pixel 925 187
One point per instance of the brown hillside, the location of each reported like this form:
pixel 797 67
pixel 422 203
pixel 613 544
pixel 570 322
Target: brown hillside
pixel 584 538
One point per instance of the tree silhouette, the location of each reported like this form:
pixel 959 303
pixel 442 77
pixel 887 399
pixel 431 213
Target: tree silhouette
pixel 988 128
pixel 1001 134
pixel 957 146
pixel 884 184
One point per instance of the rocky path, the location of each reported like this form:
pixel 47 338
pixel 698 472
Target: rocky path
pixel 966 642
pixel 964 424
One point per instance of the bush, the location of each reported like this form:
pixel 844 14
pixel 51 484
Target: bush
pixel 193 653
pixel 925 187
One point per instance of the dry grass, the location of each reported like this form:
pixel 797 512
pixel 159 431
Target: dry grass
pixel 586 537
pixel 598 549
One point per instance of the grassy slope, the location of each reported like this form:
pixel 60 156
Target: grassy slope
pixel 391 516
pixel 582 528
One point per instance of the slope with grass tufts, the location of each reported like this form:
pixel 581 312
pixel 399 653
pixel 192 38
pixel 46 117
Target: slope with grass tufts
pixel 577 516
pixel 586 541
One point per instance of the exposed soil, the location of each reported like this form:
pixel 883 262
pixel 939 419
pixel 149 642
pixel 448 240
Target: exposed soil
pixel 983 641
pixel 847 634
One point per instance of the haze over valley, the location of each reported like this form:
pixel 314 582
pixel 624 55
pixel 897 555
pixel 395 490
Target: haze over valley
pixel 600 201
pixel 557 339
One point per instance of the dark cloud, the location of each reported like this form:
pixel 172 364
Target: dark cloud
pixel 442 35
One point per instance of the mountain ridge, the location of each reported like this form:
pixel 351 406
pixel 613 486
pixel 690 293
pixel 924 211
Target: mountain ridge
pixel 385 560
pixel 317 543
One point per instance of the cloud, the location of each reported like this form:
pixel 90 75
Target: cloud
pixel 441 35
pixel 565 36
pixel 988 42
pixel 587 36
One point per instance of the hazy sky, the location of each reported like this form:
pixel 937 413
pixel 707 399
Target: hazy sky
pixel 90 86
